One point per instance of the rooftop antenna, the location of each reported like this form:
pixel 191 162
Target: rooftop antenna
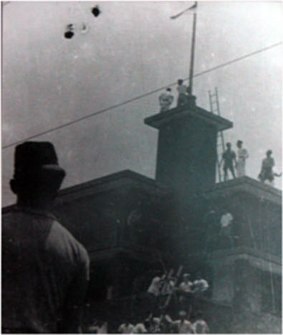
pixel 192 58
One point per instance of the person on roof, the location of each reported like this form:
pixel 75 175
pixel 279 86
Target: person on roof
pixel 266 173
pixel 182 93
pixel 229 160
pixel 165 100
pixel 242 155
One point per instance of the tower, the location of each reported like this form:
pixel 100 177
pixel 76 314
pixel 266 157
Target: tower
pixel 186 154
pixel 244 263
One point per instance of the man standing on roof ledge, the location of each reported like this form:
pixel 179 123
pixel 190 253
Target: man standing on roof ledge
pixel 165 100
pixel 228 159
pixel 267 173
pixel 183 94
pixel 241 161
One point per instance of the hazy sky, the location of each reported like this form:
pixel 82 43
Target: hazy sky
pixel 130 49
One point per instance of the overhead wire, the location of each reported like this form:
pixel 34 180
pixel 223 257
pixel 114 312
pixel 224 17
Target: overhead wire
pixel 138 97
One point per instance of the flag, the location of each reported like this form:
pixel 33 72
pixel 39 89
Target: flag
pixel 191 8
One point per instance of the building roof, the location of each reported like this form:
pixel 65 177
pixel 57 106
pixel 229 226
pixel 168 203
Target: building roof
pixel 244 185
pixel 113 182
pixel 161 119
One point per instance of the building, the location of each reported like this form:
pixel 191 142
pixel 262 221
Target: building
pixel 133 226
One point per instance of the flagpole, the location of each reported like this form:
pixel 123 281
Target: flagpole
pixel 191 74
pixel 192 59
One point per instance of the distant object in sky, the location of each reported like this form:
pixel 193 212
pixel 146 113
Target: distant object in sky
pixel 84 28
pixel 69 33
pixel 96 11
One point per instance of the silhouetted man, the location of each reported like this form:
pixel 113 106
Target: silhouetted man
pixel 229 159
pixel 182 91
pixel 44 269
pixel 267 173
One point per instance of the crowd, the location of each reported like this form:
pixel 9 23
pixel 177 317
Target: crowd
pixel 164 324
pixel 165 290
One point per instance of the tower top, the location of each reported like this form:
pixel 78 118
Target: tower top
pixel 185 112
pixel 186 153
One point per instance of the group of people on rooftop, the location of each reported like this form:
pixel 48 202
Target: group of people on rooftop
pixel 231 160
pixel 166 98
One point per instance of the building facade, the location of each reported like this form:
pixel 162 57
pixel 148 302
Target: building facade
pixel 133 226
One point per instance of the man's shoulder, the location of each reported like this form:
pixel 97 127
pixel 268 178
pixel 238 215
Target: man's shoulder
pixel 42 223
pixel 59 235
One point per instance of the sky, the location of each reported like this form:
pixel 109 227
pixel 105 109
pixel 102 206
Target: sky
pixel 130 49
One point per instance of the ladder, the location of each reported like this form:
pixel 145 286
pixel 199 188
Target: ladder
pixel 215 109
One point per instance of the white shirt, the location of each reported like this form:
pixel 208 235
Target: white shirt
pixel 186 286
pixel 99 329
pixel 200 285
pixel 182 89
pixel 200 327
pixel 166 287
pixel 226 220
pixel 154 287
pixel 40 259
pixel 139 328
pixel 242 154
pixel 184 326
pixel 166 98
pixel 126 328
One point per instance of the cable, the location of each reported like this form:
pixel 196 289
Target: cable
pixel 138 97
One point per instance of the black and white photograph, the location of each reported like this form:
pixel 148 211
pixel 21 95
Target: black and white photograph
pixel 141 167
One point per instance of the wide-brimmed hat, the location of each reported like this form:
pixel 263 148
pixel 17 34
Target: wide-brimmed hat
pixel 35 157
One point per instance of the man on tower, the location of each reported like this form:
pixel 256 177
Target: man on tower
pixel 182 91
pixel 44 268
pixel 165 100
